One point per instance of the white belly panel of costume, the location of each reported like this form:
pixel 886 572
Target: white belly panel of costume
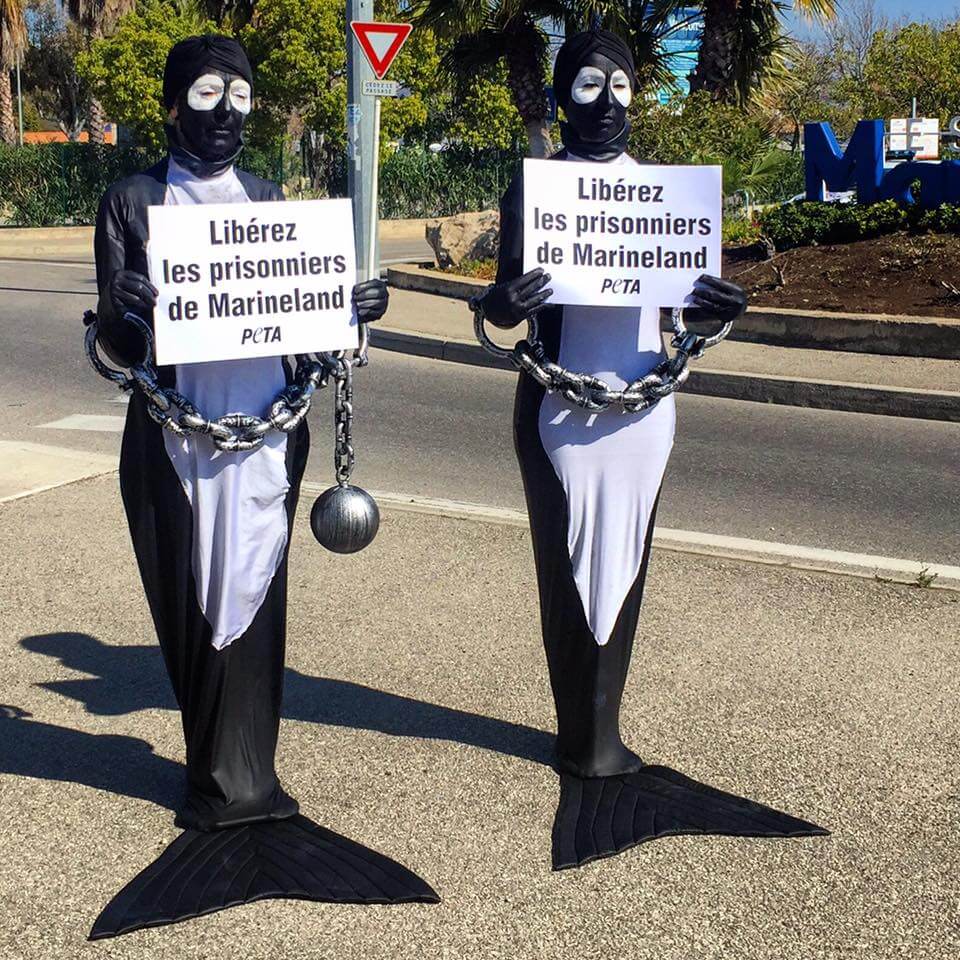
pixel 237 499
pixel 610 464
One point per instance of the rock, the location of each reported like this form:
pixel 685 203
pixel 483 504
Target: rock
pixel 465 236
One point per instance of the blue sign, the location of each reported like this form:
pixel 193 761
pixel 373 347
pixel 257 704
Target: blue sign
pixel 860 168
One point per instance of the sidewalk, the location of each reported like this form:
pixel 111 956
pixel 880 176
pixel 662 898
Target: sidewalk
pixel 442 327
pixel 75 244
pixel 417 721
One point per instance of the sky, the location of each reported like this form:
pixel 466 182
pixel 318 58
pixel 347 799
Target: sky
pixel 896 10
pixel 924 10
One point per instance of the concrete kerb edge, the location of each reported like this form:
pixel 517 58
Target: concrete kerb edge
pixel 758 388
pixel 810 559
pixel 931 337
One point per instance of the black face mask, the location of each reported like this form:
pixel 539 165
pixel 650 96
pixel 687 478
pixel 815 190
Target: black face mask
pixel 597 130
pixel 207 141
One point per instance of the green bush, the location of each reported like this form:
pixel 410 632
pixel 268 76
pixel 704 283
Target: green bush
pixel 740 230
pixel 414 182
pixel 61 183
pixel 698 130
pixel 54 184
pixel 804 223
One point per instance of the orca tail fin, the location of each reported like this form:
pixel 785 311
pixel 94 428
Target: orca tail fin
pixel 603 816
pixel 200 873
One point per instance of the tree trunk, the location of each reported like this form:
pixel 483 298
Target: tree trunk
pixel 539 144
pixel 716 66
pixel 527 82
pixel 8 124
pixel 96 121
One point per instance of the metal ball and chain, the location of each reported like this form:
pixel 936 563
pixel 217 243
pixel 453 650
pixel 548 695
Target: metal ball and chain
pixel 345 518
pixel 587 391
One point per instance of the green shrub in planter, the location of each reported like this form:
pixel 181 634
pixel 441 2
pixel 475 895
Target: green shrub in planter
pixel 804 223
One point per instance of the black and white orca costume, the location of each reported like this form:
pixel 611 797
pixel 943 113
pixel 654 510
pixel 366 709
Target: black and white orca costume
pixel 211 532
pixel 592 483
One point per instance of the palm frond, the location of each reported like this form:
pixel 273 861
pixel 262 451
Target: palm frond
pixel 816 9
pixel 473 54
pixel 649 27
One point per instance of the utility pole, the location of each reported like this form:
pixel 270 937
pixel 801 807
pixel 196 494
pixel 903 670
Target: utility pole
pixel 361 135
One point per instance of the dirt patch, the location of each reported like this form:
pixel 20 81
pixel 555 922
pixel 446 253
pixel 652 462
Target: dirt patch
pixel 896 274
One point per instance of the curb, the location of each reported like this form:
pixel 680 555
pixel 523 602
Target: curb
pixel 887 401
pixel 902 336
pixel 770 553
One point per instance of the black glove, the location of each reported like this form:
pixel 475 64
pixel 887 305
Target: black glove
pixel 717 300
pixel 127 292
pixel 507 304
pixel 132 291
pixel 370 298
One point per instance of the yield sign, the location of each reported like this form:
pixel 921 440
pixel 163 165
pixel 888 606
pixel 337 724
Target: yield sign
pixel 380 42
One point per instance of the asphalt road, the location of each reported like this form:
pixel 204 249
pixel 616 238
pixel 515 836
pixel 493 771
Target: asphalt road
pixel 418 721
pixel 816 478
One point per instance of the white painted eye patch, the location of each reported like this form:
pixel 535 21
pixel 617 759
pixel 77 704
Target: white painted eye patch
pixel 620 85
pixel 241 96
pixel 588 85
pixel 207 91
pixel 590 81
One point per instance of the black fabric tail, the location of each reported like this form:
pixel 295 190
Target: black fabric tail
pixel 201 873
pixel 604 816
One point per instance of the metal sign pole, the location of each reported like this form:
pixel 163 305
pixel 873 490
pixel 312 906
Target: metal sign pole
pixel 373 264
pixel 361 160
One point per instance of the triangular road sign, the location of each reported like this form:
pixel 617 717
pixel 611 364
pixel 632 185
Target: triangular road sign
pixel 380 42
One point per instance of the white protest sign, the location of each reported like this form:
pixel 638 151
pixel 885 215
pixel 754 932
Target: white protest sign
pixel 624 235
pixel 252 279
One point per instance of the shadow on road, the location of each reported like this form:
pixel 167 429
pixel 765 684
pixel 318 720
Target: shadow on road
pixel 122 765
pixel 126 679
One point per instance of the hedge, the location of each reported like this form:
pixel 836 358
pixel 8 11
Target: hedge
pixel 808 222
pixel 61 184
pixel 415 182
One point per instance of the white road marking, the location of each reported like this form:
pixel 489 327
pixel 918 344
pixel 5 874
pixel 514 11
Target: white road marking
pixel 795 556
pixel 87 421
pixel 28 468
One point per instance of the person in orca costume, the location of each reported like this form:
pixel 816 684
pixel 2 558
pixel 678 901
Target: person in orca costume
pixel 592 482
pixel 211 532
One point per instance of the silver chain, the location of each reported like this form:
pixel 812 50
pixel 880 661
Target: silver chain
pixel 343 456
pixel 237 431
pixel 590 392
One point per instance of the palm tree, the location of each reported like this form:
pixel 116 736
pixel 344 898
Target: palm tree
pixel 13 42
pixel 484 32
pixel 97 18
pixel 742 43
